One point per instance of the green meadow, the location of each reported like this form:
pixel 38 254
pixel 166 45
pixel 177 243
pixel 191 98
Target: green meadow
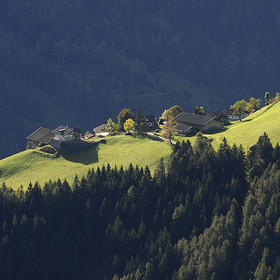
pixel 34 165
pixel 247 131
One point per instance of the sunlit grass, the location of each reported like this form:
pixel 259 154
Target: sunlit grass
pixel 33 165
pixel 247 131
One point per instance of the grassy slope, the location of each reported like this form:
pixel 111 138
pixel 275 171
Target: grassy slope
pixel 33 165
pixel 251 128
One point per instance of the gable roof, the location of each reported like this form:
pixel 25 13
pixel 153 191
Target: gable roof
pixel 41 135
pixel 100 128
pixel 228 112
pixel 150 118
pixel 66 130
pixel 88 136
pixel 193 119
pixel 211 114
pixel 183 127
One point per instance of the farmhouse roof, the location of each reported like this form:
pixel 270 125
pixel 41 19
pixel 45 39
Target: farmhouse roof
pixel 211 114
pixel 183 127
pixel 65 129
pixel 228 112
pixel 41 135
pixel 150 118
pixel 88 136
pixel 100 128
pixel 194 119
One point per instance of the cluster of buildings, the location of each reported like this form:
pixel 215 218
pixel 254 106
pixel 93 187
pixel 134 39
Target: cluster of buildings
pixel 64 137
pixel 60 138
pixel 190 123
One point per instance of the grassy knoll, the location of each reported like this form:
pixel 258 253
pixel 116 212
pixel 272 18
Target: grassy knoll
pixel 34 165
pixel 247 131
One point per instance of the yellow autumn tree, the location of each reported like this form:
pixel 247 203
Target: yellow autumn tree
pixel 129 125
pixel 253 105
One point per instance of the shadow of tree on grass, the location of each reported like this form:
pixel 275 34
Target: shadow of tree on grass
pixel 84 156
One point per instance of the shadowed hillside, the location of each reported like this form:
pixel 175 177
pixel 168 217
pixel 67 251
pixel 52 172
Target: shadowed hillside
pixel 78 63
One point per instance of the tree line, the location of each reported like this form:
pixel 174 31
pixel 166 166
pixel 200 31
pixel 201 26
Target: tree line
pixel 203 214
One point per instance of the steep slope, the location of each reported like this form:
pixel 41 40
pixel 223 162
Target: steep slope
pixel 247 131
pixel 34 165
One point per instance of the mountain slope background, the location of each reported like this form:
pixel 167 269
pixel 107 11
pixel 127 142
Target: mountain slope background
pixel 81 62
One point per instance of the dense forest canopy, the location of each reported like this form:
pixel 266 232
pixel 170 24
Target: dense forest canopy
pixel 204 215
pixel 79 62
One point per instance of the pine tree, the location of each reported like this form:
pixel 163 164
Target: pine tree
pixel 267 98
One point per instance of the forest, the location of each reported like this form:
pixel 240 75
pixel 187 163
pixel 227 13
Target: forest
pixel 204 214
pixel 79 62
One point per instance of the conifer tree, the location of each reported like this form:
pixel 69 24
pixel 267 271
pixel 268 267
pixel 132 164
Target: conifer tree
pixel 267 98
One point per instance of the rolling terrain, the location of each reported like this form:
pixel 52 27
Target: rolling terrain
pixel 34 165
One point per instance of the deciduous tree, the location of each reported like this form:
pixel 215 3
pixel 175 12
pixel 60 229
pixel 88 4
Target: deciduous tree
pixel 253 105
pixel 199 110
pixel 171 112
pixel 140 123
pixel 111 126
pixel 239 108
pixel 129 125
pixel 169 129
pixel 124 115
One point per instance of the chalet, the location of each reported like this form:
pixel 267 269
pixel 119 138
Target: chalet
pixel 188 123
pixel 220 117
pixel 232 117
pixel 64 134
pixel 40 136
pixel 101 130
pixel 88 136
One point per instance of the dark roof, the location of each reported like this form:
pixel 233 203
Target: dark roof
pixel 66 130
pixel 228 112
pixel 88 136
pixel 100 128
pixel 41 135
pixel 183 127
pixel 211 114
pixel 150 118
pixel 193 119
pixel 62 128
